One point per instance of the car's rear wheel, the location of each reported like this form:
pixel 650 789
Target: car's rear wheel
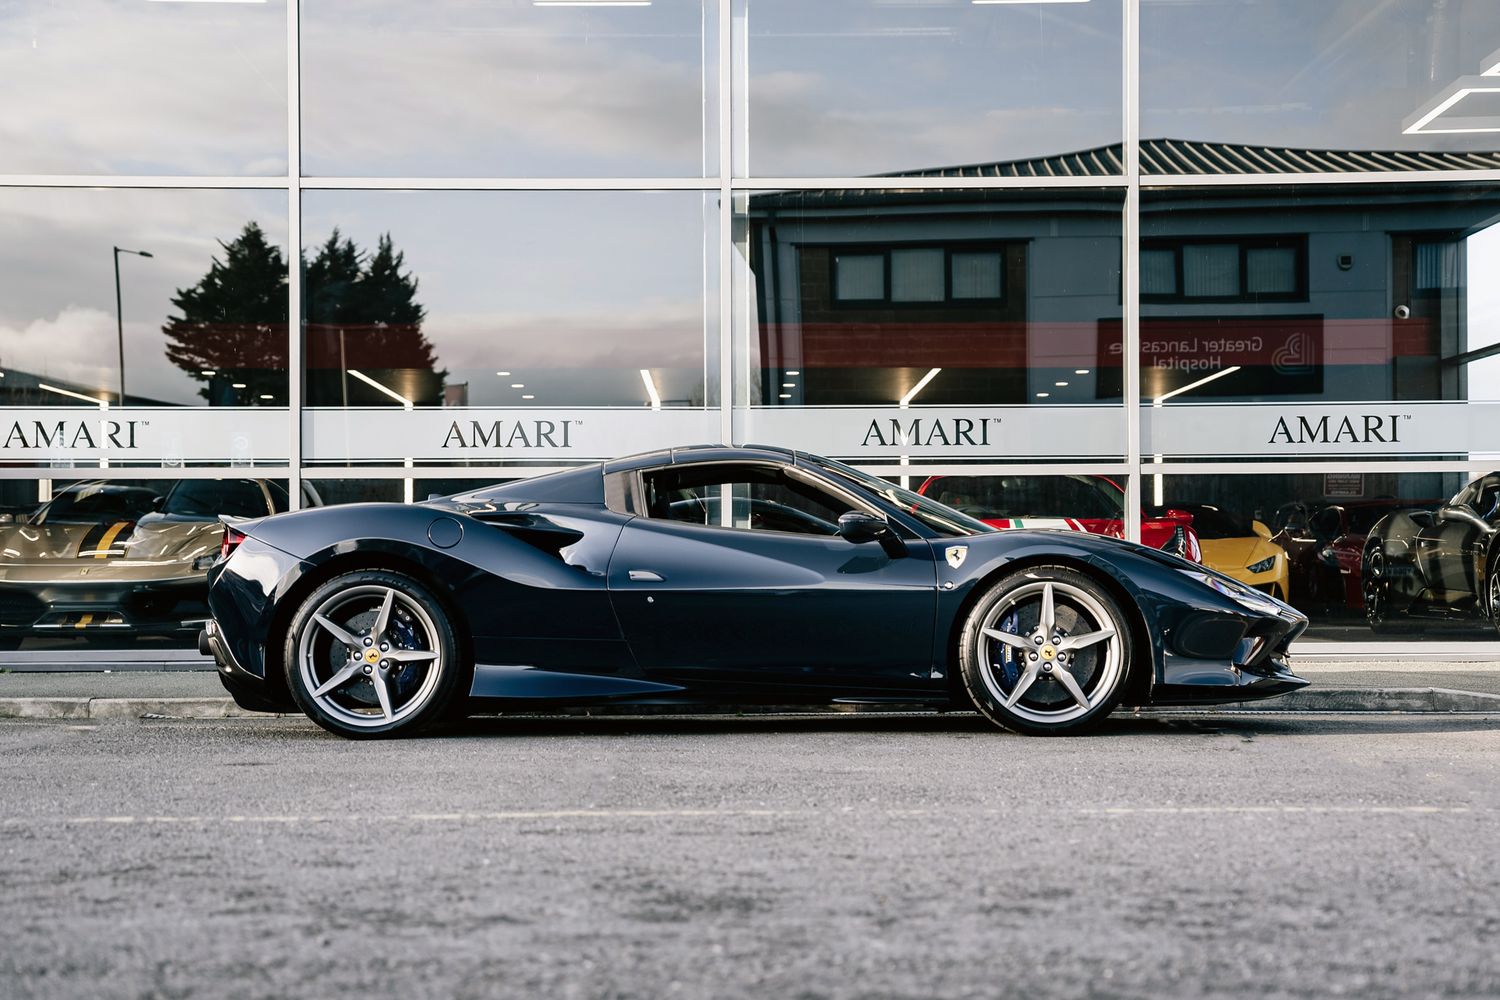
pixel 373 653
pixel 1375 587
pixel 1046 651
pixel 1492 592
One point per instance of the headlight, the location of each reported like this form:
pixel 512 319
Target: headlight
pixel 1241 595
pixel 1264 566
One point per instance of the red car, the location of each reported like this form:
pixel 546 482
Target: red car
pixel 1324 543
pixel 1073 503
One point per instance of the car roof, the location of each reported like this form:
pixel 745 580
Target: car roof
pixel 586 484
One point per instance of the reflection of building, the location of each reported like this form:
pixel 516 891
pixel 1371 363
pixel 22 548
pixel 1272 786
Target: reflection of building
pixel 1312 294
pixel 682 261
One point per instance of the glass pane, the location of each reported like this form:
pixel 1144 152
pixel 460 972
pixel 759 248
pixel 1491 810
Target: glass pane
pixel 1270 270
pixel 512 89
pixel 170 301
pixel 982 375
pixel 1311 539
pixel 978 275
pixel 1281 86
pixel 144 88
pixel 859 277
pixel 1209 271
pixel 845 88
pixel 917 276
pixel 496 316
pixel 1356 298
pixel 104 564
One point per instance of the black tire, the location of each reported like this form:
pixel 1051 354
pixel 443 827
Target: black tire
pixel 1490 598
pixel 417 692
pixel 1046 705
pixel 1375 588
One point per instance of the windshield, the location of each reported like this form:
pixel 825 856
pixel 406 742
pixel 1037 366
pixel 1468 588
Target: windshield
pixel 939 517
pixel 206 499
pixel 95 504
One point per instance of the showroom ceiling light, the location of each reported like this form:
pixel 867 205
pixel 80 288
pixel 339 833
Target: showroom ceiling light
pixel 793 373
pixel 1060 385
pixel 98 401
pixel 236 385
pixel 209 372
pixel 367 380
pixel 518 385
pixel 651 388
pixel 1491 64
pixel 528 396
pixel 1043 395
pixel 1193 385
pixel 1080 371
pixel 1426 120
pixel 503 374
pixel 912 394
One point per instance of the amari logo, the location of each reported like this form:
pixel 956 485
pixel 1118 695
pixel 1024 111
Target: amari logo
pixel 1365 428
pixel 924 432
pixel 40 435
pixel 512 434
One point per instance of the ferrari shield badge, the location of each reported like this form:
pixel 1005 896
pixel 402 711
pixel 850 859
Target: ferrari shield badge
pixel 956 555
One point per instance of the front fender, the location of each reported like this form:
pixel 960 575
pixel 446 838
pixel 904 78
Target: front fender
pixel 1197 637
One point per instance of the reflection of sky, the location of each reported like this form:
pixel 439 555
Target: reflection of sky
pixel 537 281
pixel 1341 75
pixel 57 284
pixel 852 87
pixel 1483 325
pixel 451 87
pixel 143 88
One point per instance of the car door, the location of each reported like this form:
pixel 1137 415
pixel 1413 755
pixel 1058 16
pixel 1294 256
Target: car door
pixel 735 575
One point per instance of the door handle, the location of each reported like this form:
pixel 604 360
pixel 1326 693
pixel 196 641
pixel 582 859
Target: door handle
pixel 645 576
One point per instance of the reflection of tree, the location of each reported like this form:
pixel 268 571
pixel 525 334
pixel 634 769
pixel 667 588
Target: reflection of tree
pixel 361 310
pixel 362 315
pixel 232 327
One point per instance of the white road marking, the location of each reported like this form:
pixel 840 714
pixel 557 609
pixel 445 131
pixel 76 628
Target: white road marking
pixel 616 814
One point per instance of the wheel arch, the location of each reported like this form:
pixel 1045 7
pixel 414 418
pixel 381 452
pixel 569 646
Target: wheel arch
pixel 336 564
pixel 1143 669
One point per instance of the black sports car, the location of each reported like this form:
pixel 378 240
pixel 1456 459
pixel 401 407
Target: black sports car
pixel 1438 563
pixel 715 574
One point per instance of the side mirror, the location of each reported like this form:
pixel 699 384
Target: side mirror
pixel 156 502
pixel 858 527
pixel 1179 516
pixel 1259 527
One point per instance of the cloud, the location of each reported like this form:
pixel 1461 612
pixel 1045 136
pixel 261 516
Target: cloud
pixel 144 88
pixel 76 346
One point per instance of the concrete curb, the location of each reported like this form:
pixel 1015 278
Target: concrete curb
pixel 122 708
pixel 1403 700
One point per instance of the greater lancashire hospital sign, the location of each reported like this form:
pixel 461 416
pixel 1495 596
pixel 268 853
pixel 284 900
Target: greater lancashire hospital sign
pixel 171 437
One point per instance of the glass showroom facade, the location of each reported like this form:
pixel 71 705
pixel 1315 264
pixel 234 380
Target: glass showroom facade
pixel 1219 276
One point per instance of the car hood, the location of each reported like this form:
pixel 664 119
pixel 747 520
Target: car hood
pixel 1236 553
pixel 156 545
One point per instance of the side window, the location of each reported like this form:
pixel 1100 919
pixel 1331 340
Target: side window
pixel 749 497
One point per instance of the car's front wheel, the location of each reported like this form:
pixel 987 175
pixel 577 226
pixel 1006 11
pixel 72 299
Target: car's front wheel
pixel 373 653
pixel 1046 651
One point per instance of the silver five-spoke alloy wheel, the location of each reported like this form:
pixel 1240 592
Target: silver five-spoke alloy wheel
pixel 1046 650
pixel 369 656
pixel 1051 647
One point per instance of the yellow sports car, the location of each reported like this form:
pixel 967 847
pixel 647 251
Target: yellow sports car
pixel 1243 551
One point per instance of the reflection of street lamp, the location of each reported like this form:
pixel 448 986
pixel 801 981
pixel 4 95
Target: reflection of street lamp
pixel 120 317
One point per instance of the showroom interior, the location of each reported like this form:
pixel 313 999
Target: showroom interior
pixel 1222 276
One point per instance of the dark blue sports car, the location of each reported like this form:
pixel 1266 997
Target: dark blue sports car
pixel 719 575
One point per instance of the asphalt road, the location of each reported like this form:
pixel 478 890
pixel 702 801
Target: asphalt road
pixel 801 858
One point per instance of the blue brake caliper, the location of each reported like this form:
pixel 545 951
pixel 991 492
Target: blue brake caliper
pixel 1009 662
